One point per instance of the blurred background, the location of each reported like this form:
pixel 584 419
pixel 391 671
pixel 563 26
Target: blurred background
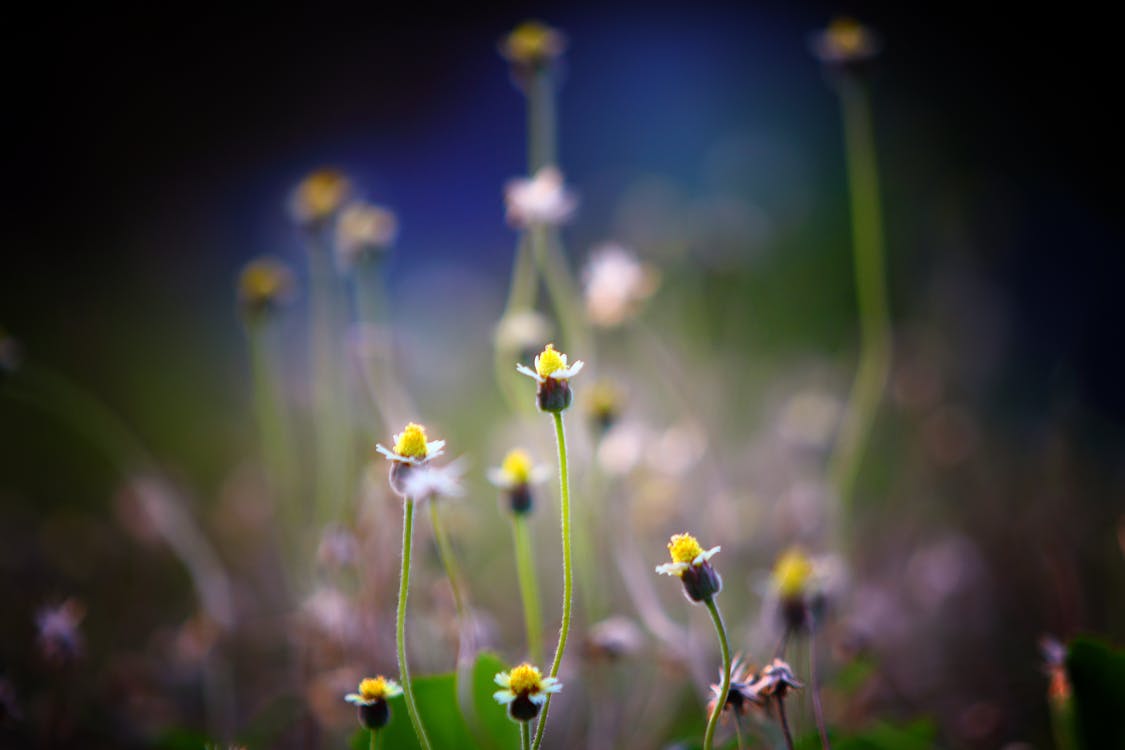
pixel 153 153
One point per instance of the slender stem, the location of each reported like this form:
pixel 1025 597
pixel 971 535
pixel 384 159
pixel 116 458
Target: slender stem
pixel 724 691
pixel 540 94
pixel 400 624
pixel 814 690
pixel 738 730
pixel 871 291
pixel 568 572
pixel 374 735
pixel 784 720
pixel 525 735
pixel 779 651
pixel 449 562
pixel 529 588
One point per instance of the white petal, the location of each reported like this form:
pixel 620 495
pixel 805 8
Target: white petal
pixel 525 370
pixel 704 556
pixel 355 698
pixel 504 696
pixel 389 454
pixel 498 478
pixel 672 569
pixel 538 699
pixel 434 448
pixel 503 679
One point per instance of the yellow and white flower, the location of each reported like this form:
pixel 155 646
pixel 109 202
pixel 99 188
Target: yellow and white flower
pixel 517 470
pixel 552 364
pixel 372 690
pixel 616 285
pixel 525 690
pixel 412 447
pixel 690 563
pixel 845 42
pixel 363 230
pixel 318 197
pixel 532 44
pixel 264 285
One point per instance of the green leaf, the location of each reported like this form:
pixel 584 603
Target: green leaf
pixel 495 729
pixel 1097 676
pixel 917 735
pixel 436 696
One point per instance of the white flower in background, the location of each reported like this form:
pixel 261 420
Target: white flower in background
pixel 428 482
pixel 616 284
pixel 539 200
pixel 363 230
pixel 522 330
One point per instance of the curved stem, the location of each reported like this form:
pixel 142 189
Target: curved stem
pixel 870 279
pixel 449 562
pixel 400 624
pixel 720 704
pixel 781 717
pixel 529 588
pixel 568 572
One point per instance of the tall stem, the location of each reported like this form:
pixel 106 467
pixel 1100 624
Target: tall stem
pixel 870 280
pixel 814 689
pixel 449 562
pixel 374 735
pixel 400 624
pixel 784 720
pixel 525 735
pixel 724 691
pixel 568 572
pixel 529 588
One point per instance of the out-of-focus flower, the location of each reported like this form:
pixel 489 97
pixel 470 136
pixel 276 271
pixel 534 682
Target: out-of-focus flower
pixel 265 285
pixel 428 482
pixel 338 548
pixel 614 638
pixel 59 637
pixel 318 197
pixel 740 697
pixel 803 586
pixel 525 690
pixel 363 230
pixel 604 405
pixel 541 200
pixel 521 332
pixel 329 612
pixel 374 713
pixel 552 373
pixel 690 563
pixel 846 42
pixel 532 44
pixel 616 285
pixel 622 448
pixel 514 476
pixel 774 681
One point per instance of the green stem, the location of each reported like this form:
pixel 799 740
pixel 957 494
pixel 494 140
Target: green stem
pixel 540 120
pixel 400 625
pixel 529 588
pixel 374 734
pixel 720 704
pixel 449 562
pixel 871 291
pixel 784 720
pixel 568 572
pixel 525 735
pixel 814 690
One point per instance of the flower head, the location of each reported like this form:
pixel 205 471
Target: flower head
pixel 552 373
pixel 363 230
pixel 740 697
pixel 845 42
pixel 775 680
pixel 264 285
pixel 318 197
pixel 428 482
pixel 690 563
pixel 412 447
pixel 616 285
pixel 604 404
pixel 791 574
pixel 525 689
pixel 532 44
pixel 614 638
pixel 542 199
pixel 521 331
pixel 374 713
pixel 515 475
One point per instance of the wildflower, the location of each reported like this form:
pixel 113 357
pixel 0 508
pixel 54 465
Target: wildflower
pixel 318 197
pixel 411 450
pixel 532 45
pixel 803 585
pixel 265 285
pixel 690 564
pixel 542 199
pixel 362 231
pixel 616 285
pixel 338 548
pixel 525 691
pixel 374 713
pixel 740 697
pixel 552 373
pixel 604 405
pixel 59 637
pixel 427 482
pixel 774 681
pixel 613 639
pixel 845 44
pixel 514 476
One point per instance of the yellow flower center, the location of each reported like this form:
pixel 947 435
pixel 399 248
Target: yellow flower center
pixel 684 548
pixel 373 688
pixel 791 574
pixel 261 281
pixel 532 42
pixel 550 361
pixel 847 35
pixel 411 443
pixel 517 467
pixel 525 679
pixel 321 193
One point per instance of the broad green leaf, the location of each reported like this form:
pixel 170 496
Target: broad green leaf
pixel 495 729
pixel 437 704
pixel 1097 676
